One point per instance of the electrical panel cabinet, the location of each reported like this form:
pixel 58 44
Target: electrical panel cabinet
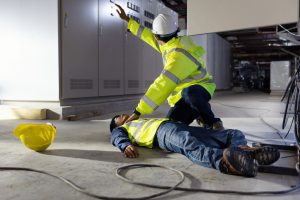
pixel 280 76
pixel 133 52
pixel 79 32
pixel 150 55
pixel 99 56
pixel 111 52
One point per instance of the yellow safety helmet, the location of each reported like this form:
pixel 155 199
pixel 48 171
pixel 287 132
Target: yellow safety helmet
pixel 37 137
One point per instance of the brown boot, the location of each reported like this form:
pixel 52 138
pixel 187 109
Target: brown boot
pixel 265 155
pixel 201 122
pixel 218 126
pixel 235 161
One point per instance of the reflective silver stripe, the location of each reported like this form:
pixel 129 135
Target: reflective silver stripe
pixel 139 33
pixel 150 102
pixel 138 126
pixel 149 124
pixel 202 74
pixel 171 76
pixel 134 124
pixel 187 54
pixel 203 71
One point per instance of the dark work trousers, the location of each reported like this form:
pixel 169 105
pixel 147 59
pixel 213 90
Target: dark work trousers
pixel 193 104
pixel 202 146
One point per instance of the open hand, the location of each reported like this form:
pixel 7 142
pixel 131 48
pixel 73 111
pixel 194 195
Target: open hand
pixel 131 152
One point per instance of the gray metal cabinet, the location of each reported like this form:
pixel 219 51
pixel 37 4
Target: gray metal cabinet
pixel 133 53
pixel 79 29
pixel 111 52
pixel 150 55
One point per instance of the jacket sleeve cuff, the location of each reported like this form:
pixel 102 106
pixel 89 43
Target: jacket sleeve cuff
pixel 123 146
pixel 136 112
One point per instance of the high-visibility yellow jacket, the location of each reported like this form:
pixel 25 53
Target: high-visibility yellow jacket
pixel 183 67
pixel 142 131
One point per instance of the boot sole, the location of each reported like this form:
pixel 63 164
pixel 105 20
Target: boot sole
pixel 243 163
pixel 266 155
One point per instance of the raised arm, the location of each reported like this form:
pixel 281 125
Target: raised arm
pixel 136 29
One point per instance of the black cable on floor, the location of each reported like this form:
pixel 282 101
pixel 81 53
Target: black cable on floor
pixel 167 188
pixel 205 190
pixel 80 189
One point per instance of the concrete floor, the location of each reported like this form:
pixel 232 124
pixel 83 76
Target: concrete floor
pixel 82 153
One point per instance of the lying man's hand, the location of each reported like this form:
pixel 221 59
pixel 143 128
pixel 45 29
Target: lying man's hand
pixel 131 152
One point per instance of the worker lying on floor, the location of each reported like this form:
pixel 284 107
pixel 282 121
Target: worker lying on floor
pixel 225 150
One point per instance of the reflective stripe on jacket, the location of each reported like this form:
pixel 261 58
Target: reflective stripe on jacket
pixel 183 67
pixel 142 131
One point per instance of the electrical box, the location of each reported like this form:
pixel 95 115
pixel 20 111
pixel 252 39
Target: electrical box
pixel 79 33
pixel 133 68
pixel 111 52
pixel 150 55
pixel 280 76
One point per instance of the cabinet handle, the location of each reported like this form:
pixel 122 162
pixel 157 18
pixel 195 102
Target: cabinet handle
pixel 66 20
pixel 100 29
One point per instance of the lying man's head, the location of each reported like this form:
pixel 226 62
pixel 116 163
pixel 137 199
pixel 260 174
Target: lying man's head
pixel 117 121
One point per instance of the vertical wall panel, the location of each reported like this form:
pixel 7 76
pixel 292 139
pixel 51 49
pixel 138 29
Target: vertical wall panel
pixel 79 48
pixel 217 58
pixel 29 63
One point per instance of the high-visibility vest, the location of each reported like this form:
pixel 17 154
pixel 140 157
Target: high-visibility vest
pixel 183 67
pixel 142 131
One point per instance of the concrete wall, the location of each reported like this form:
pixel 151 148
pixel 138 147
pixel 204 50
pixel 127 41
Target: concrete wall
pixel 29 64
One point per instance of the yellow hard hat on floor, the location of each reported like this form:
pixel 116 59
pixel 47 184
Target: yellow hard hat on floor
pixel 37 137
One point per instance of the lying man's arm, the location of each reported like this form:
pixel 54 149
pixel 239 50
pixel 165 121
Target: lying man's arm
pixel 119 138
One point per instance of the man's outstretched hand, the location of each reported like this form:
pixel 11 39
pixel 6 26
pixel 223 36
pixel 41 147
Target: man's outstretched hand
pixel 131 152
pixel 122 13
pixel 132 117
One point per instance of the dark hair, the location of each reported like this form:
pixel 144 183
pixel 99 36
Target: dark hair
pixel 113 123
pixel 167 38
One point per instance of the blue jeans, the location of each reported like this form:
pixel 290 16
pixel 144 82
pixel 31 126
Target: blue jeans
pixel 193 104
pixel 202 146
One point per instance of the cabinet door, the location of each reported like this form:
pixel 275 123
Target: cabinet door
pixel 150 64
pixel 111 52
pixel 79 29
pixel 133 52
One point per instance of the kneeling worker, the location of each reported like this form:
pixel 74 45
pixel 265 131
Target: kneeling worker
pixel 184 80
pixel 226 150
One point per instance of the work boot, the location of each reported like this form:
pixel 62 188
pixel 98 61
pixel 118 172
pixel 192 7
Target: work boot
pixel 265 155
pixel 237 162
pixel 201 123
pixel 218 126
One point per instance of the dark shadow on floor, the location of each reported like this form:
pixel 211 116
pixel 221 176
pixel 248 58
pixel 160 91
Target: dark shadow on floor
pixel 108 156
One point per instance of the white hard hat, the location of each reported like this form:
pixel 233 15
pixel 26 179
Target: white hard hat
pixel 164 25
